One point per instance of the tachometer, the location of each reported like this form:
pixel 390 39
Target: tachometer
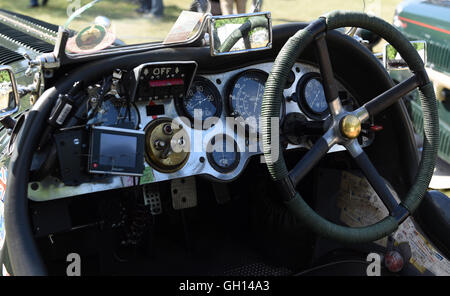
pixel 311 96
pixel 245 97
pixel 202 101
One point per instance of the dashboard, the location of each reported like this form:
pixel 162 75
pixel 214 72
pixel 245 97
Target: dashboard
pixel 180 123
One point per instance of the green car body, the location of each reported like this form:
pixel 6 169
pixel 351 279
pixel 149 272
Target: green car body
pixel 430 21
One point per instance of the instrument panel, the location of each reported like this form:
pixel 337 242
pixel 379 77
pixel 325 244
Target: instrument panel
pixel 238 94
pixel 211 125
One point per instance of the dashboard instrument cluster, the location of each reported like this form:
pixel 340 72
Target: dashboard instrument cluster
pixel 194 123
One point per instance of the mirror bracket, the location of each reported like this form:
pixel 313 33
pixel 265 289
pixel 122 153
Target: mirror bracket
pixel 50 60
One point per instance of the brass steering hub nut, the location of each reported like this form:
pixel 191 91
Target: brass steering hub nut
pixel 350 126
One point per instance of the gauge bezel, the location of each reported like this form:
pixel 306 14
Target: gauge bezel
pixel 181 108
pixel 214 164
pixel 301 98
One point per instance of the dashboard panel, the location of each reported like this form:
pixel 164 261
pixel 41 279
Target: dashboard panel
pixel 204 138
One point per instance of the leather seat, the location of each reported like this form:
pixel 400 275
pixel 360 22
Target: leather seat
pixel 434 218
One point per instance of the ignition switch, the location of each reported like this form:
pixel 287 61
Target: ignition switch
pixel 167 145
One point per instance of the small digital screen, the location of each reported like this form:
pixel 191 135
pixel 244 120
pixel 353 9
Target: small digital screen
pixel 117 150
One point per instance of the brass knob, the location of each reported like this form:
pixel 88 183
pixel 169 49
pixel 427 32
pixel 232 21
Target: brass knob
pixel 350 126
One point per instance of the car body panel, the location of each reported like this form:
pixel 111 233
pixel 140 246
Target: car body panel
pixel 430 21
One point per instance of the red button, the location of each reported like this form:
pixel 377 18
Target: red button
pixel 393 261
pixel 376 128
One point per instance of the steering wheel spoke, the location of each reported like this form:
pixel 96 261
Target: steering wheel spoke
pixel 376 181
pixel 312 157
pixel 326 71
pixel 390 96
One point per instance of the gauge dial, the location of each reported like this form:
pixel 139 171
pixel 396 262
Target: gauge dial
pixel 223 153
pixel 202 101
pixel 312 99
pixel 115 112
pixel 245 97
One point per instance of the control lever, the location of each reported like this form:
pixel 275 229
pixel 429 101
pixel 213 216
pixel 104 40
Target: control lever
pixel 295 126
pixel 60 112
pixel 164 147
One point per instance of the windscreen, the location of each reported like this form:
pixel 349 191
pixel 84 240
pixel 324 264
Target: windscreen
pixel 103 24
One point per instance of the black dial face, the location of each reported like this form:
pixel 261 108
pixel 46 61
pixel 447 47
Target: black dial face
pixel 117 113
pixel 312 99
pixel 245 97
pixel 315 96
pixel 202 101
pixel 223 154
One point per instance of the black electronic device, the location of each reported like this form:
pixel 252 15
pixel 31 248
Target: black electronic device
pixel 116 151
pixel 162 80
pixel 72 149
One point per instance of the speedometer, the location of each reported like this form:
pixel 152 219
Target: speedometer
pixel 202 101
pixel 245 97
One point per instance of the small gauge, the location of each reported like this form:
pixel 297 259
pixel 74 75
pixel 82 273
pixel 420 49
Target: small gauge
pixel 202 101
pixel 245 97
pixel 223 153
pixel 311 96
pixel 118 113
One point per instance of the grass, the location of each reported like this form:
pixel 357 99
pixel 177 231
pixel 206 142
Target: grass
pixel 4 77
pixel 131 27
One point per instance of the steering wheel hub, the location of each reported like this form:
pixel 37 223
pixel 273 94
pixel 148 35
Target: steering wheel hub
pixel 350 126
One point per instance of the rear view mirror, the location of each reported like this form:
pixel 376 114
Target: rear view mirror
pixel 233 34
pixel 9 97
pixel 393 61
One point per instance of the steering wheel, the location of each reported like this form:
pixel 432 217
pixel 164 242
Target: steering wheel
pixel 346 126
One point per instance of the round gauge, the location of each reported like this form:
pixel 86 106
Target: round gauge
pixel 311 96
pixel 223 153
pixel 202 101
pixel 245 97
pixel 115 112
